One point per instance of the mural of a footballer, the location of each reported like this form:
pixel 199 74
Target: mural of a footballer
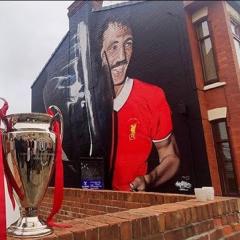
pixel 143 116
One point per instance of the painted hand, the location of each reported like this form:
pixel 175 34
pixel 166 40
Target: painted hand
pixel 138 184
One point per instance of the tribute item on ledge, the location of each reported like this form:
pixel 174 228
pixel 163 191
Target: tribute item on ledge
pixel 29 146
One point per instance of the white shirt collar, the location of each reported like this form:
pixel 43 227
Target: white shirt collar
pixel 120 100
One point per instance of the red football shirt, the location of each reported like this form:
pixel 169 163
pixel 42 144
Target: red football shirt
pixel 144 117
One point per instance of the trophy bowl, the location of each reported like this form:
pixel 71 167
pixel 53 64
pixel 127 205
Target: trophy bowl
pixel 29 156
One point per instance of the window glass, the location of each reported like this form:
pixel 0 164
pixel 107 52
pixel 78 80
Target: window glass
pixel 237 48
pixel 235 27
pixel 208 62
pixel 203 30
pixel 222 130
pixel 208 59
pixel 225 150
pixel 224 157
pixel 228 168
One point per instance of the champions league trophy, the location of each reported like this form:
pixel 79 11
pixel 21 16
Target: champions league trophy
pixel 29 145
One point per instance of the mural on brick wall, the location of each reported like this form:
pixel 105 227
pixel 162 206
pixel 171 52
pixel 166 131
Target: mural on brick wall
pixel 86 109
pixel 74 87
pixel 128 101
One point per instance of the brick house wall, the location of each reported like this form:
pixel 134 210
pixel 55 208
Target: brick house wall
pixel 226 95
pixel 176 79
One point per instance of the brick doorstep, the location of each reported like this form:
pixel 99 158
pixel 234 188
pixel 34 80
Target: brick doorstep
pixel 226 232
pixel 169 217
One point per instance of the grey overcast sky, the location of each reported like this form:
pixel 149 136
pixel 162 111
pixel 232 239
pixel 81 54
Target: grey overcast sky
pixel 29 33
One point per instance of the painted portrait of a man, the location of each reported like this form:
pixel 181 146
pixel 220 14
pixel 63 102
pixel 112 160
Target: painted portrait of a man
pixel 142 112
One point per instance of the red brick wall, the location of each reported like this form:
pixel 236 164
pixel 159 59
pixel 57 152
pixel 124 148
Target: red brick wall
pixel 203 105
pixel 165 217
pixel 228 71
pixel 83 203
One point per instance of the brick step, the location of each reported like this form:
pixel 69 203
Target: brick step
pixel 225 232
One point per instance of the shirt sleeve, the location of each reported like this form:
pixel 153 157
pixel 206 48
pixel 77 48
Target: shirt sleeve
pixel 161 121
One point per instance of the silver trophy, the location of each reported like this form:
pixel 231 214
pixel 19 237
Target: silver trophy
pixel 29 154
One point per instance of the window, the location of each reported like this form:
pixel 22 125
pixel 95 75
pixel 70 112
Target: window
pixel 224 157
pixel 205 43
pixel 235 27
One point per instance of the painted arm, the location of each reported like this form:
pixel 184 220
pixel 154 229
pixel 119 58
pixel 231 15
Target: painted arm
pixel 168 165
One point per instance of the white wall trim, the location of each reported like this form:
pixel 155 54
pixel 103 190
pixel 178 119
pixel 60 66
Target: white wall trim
pixel 203 12
pixel 214 85
pixel 217 113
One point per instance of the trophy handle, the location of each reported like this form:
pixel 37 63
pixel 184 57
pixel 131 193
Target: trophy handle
pixel 56 117
pixel 3 111
pixel 10 178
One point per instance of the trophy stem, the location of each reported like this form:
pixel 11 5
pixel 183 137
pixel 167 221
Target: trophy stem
pixel 28 212
pixel 29 225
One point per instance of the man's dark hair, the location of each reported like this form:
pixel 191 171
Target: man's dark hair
pixel 121 20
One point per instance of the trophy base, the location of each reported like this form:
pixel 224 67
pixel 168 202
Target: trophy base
pixel 29 227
